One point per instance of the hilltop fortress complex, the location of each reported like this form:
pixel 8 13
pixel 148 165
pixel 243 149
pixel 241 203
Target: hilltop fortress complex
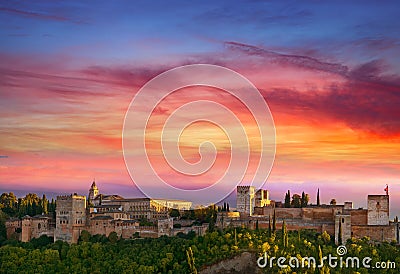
pixel 254 207
pixel 103 214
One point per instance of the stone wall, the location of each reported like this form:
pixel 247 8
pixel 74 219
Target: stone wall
pixel 317 214
pixel 359 217
pixel 12 227
pixel 34 227
pixel 376 233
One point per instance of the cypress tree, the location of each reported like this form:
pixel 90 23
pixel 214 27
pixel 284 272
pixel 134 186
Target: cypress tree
pixel 269 226
pixel 190 259
pixel 340 233
pixel 51 205
pixel 235 238
pixel 287 199
pixel 303 199
pixel 44 204
pixel 298 236
pixel 19 206
pixel 285 239
pixel 274 222
pixel 320 255
pixel 318 201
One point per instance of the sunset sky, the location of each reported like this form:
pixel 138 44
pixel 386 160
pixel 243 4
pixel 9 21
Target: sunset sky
pixel 330 74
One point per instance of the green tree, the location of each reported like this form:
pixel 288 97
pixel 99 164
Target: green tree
pixel 298 237
pixel 296 201
pixel 285 238
pixel 45 203
pixel 304 199
pixel 113 237
pixel 274 222
pixel 287 199
pixel 326 237
pixel 3 231
pixel 236 242
pixel 191 261
pixel 174 213
pixel 85 236
pixel 269 226
pixel 318 201
pixel 320 256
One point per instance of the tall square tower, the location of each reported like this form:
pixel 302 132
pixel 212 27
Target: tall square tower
pixel 378 209
pixel 70 217
pixel 245 199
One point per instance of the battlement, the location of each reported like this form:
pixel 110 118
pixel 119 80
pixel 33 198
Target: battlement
pixel 64 197
pixel 70 197
pixel 244 188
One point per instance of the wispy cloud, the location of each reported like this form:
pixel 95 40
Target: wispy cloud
pixel 39 15
pixel 288 59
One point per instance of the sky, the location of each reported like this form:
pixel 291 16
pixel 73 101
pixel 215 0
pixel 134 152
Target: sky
pixel 329 72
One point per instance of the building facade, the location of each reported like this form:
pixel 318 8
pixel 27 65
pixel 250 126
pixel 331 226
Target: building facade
pixel 71 217
pixel 101 214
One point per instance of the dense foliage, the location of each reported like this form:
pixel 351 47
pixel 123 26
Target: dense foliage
pixel 182 254
pixel 30 205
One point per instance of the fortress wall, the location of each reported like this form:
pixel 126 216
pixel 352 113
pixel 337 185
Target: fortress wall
pixel 376 233
pixel 359 217
pixel 288 213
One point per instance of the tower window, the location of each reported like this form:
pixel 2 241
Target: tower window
pixel 342 220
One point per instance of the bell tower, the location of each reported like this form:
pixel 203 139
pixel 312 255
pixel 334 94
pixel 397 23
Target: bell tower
pixel 93 192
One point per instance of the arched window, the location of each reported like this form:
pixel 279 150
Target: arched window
pixel 39 226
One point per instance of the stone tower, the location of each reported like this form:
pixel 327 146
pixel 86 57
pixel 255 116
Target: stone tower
pixel 378 209
pixel 245 199
pixel 93 192
pixel 70 217
pixel 344 221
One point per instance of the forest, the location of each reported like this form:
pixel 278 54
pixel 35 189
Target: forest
pixel 185 253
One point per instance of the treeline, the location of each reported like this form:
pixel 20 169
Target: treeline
pixel 185 254
pixel 30 205
pixel 296 200
pixel 200 215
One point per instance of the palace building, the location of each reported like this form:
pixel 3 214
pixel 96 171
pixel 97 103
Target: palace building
pixel 101 214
